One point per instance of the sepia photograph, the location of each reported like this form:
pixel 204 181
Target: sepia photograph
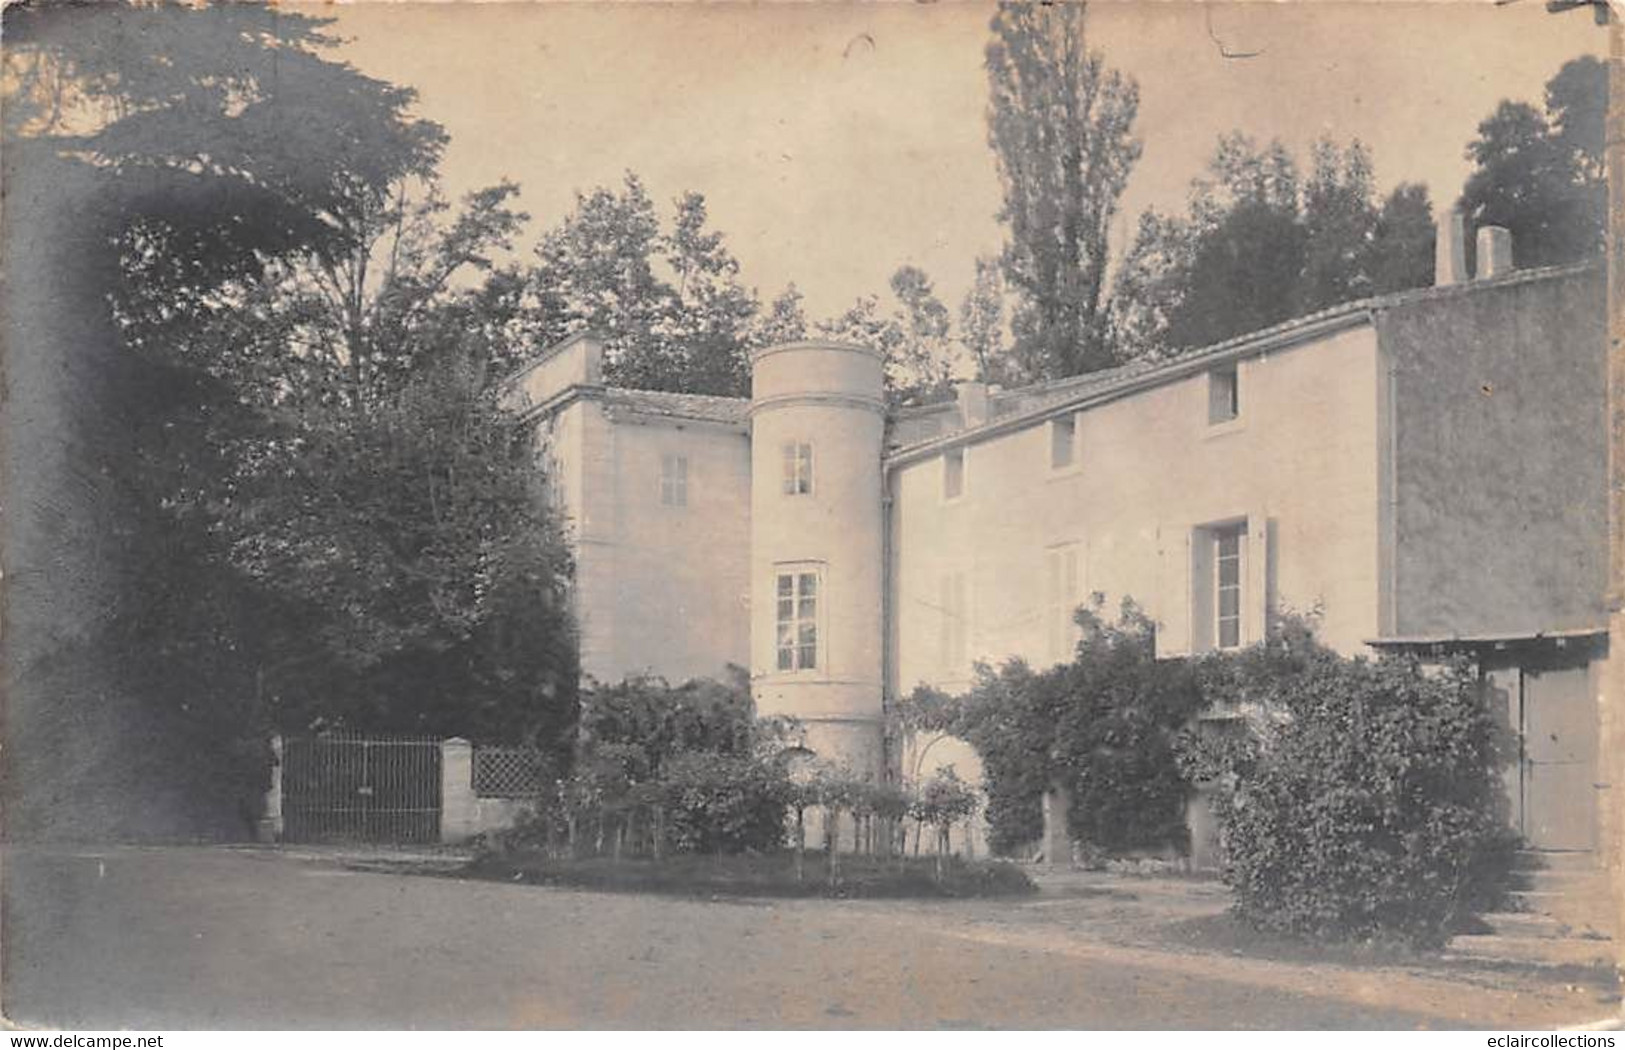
pixel 788 516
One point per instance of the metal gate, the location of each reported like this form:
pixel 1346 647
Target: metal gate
pixel 348 788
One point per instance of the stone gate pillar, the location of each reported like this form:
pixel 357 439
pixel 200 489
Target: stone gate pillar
pixel 1057 840
pixel 270 823
pixel 459 809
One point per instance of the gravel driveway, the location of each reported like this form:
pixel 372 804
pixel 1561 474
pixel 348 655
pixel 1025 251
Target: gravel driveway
pixel 224 938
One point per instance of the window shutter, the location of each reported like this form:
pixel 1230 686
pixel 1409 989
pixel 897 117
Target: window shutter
pixel 1173 613
pixel 1255 591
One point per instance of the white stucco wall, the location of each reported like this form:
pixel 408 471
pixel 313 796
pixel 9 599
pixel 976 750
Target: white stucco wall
pixel 659 589
pixel 673 580
pixel 1303 457
pixel 826 396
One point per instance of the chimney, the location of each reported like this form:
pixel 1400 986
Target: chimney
pixel 972 397
pixel 1450 250
pixel 1494 251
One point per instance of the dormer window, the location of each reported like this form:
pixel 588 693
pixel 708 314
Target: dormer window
pixel 1223 395
pixel 798 468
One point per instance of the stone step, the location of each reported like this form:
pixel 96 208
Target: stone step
pixel 1527 924
pixel 1558 880
pixel 1555 860
pixel 1581 901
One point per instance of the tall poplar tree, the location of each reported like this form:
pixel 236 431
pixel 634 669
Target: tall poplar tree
pixel 1061 127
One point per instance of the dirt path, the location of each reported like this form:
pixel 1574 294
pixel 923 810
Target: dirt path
pixel 220 938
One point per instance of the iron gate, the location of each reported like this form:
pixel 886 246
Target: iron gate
pixel 339 787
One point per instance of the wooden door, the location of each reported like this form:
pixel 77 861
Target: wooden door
pixel 1559 720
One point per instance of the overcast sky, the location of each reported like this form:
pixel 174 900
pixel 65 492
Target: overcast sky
pixel 837 141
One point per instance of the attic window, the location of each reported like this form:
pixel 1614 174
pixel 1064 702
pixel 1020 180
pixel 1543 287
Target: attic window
pixel 953 474
pixel 1063 440
pixel 1223 395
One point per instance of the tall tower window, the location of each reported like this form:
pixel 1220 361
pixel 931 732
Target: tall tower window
pixel 797 620
pixel 798 468
pixel 674 481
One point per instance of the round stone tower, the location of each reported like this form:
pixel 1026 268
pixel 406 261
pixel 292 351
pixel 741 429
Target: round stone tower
pixel 817 570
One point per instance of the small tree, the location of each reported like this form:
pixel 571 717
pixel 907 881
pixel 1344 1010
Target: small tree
pixel 940 802
pixel 889 804
pixel 836 791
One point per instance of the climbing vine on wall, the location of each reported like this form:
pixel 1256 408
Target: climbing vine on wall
pixel 1103 726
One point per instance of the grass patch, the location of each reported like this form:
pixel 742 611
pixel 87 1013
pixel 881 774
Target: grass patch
pixel 760 875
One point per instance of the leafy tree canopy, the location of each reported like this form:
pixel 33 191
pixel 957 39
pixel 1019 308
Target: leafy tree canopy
pixel 1539 172
pixel 915 336
pixel 669 302
pixel 1260 244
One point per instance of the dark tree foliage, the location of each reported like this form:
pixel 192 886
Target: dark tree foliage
pixel 915 337
pixel 199 203
pixel 669 304
pixel 1402 242
pixel 416 530
pixel 1540 173
pixel 1260 244
pixel 785 320
pixel 223 127
pixel 981 326
pixel 1060 124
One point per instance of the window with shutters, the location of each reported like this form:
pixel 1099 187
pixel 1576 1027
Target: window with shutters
pixel 1225 615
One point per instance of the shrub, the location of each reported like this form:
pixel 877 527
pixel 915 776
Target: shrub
pixel 661 768
pixel 719 803
pixel 661 720
pixel 1370 806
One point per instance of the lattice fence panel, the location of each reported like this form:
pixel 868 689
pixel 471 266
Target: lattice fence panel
pixel 509 772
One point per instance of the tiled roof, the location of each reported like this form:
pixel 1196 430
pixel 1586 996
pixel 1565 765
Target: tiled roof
pixel 1033 402
pixel 702 407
